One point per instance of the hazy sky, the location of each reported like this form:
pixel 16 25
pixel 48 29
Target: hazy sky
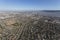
pixel 29 4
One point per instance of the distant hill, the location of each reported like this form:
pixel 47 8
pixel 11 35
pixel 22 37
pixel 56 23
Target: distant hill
pixel 51 10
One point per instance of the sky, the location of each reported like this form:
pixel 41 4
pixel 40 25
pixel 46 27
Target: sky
pixel 29 4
